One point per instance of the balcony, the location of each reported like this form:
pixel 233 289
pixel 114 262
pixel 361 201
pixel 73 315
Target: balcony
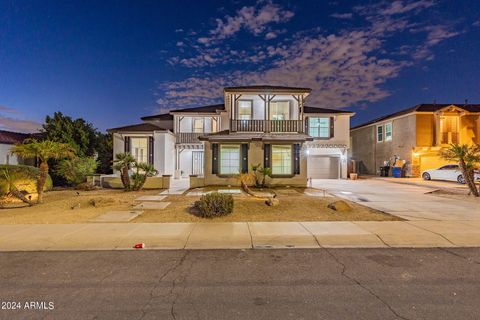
pixel 449 137
pixel 188 137
pixel 266 126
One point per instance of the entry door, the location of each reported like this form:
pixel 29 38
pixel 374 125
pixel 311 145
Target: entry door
pixel 197 162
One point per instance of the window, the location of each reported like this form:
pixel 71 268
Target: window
pixel 280 110
pixel 139 149
pixel 229 159
pixel 319 127
pixel 388 131
pixel 198 125
pixel 379 133
pixel 245 108
pixel 281 159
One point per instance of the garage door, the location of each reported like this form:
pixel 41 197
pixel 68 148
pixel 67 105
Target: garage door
pixel 323 167
pixel 431 162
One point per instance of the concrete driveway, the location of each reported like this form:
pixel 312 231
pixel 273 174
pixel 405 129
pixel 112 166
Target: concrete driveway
pixel 408 201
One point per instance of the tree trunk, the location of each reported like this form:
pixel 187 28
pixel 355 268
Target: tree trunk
pixel 16 193
pixel 125 178
pixel 42 178
pixel 468 175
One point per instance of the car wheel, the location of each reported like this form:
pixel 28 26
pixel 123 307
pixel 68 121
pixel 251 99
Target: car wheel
pixel 460 179
pixel 426 176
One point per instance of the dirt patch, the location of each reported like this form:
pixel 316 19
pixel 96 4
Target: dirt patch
pixel 458 194
pixel 57 206
pixel 292 207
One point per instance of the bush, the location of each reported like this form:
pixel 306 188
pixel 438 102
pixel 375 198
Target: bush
pixel 214 204
pixel 29 175
pixel 75 170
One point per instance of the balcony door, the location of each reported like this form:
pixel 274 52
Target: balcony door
pixel 245 110
pixel 449 129
pixel 197 162
pixel 280 110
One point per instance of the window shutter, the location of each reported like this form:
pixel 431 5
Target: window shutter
pixel 332 127
pixel 214 158
pixel 150 150
pixel 127 145
pixel 244 155
pixel 266 156
pixel 296 158
pixel 307 127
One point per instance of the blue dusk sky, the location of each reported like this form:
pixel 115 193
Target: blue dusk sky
pixel 111 62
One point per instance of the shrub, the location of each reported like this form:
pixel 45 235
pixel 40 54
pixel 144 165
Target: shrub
pixel 214 204
pixel 75 170
pixel 27 181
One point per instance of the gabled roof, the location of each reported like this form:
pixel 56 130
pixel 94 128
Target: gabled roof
pixel 163 116
pixel 10 137
pixel 141 127
pixel 308 109
pixel 264 88
pixel 207 109
pixel 424 107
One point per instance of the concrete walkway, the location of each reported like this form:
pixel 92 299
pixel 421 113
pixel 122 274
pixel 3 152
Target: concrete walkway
pixel 240 235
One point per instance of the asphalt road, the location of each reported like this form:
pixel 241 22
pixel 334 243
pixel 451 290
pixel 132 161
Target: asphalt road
pixel 244 284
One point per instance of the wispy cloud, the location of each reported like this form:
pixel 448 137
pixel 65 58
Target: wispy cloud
pixel 345 68
pixel 342 15
pixel 13 123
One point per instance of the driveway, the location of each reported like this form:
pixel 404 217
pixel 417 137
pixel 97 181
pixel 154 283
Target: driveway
pixel 408 201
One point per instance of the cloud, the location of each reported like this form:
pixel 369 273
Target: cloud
pixel 476 23
pixel 345 68
pixel 7 109
pixel 253 19
pixel 17 125
pixel 270 35
pixel 342 15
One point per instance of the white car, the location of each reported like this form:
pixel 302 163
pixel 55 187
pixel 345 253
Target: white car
pixel 449 172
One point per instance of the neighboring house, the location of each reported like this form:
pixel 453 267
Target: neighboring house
pixel 416 135
pixel 267 125
pixel 7 140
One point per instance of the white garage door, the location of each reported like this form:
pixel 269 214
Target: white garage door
pixel 323 167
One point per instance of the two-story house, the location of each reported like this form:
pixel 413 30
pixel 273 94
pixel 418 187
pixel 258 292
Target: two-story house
pixel 415 135
pixel 266 125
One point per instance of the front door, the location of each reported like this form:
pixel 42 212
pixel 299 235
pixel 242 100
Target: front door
pixel 197 163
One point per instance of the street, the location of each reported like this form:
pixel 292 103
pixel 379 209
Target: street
pixel 244 284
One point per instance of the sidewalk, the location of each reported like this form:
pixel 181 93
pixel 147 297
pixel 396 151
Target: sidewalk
pixel 239 235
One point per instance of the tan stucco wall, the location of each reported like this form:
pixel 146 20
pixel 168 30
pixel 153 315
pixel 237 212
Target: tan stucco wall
pixel 469 132
pixel 371 154
pixel 255 156
pixel 425 130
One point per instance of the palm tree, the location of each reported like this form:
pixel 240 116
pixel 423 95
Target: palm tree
pixel 11 179
pixel 466 156
pixel 43 150
pixel 122 163
pixel 266 172
pixel 143 171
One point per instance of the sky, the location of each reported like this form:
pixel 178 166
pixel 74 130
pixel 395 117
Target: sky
pixel 112 62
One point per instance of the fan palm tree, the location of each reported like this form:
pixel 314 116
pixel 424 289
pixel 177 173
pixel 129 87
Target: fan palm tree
pixel 123 162
pixel 143 171
pixel 466 156
pixel 11 179
pixel 43 150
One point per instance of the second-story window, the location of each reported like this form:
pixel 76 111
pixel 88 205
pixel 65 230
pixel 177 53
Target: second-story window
pixel 379 133
pixel 198 125
pixel 245 109
pixel 388 131
pixel 280 110
pixel 319 127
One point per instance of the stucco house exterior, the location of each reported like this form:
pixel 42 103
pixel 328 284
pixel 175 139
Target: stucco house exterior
pixel 7 140
pixel 267 125
pixel 416 135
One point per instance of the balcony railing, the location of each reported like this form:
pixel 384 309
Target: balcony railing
pixel 266 126
pixel 188 137
pixel 449 137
